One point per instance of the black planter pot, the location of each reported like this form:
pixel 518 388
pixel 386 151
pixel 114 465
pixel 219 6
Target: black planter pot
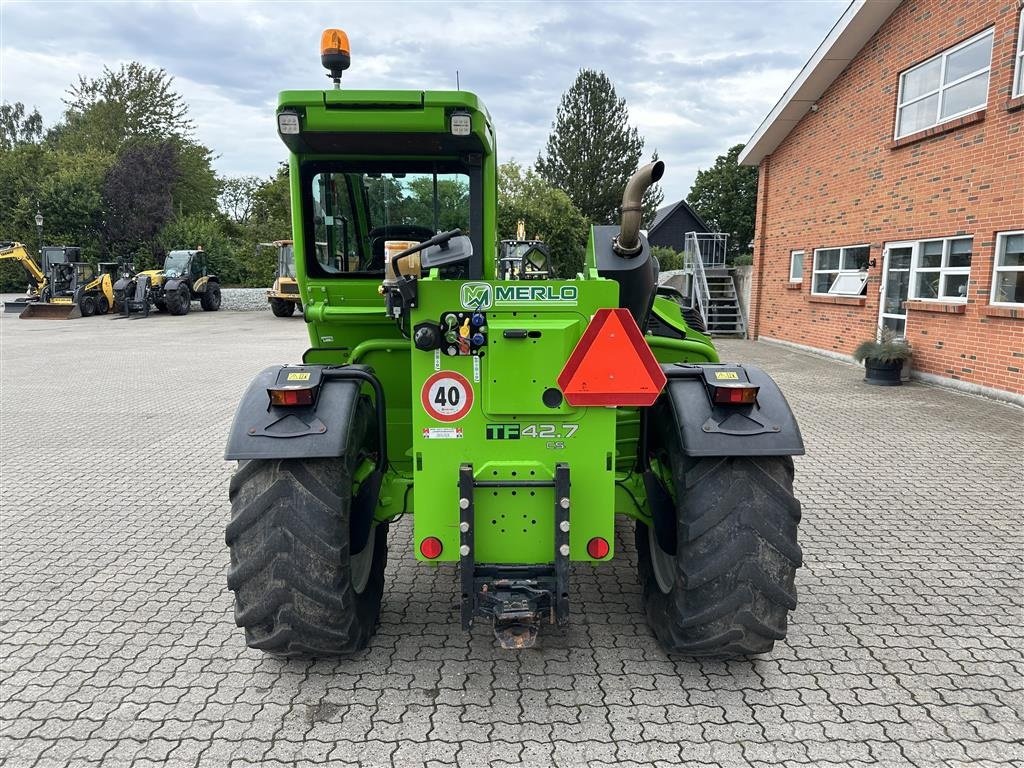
pixel 883 373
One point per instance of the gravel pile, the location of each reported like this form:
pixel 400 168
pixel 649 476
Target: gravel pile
pixel 244 299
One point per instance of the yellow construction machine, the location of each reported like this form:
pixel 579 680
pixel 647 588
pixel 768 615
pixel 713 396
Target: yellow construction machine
pixel 284 295
pixel 64 287
pixel 18 252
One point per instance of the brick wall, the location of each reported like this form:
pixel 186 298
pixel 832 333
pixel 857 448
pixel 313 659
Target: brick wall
pixel 840 179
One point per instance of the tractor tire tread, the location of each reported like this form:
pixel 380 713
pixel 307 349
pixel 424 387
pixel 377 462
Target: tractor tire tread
pixel 290 572
pixel 737 558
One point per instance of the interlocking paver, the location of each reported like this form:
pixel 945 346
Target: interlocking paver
pixel 119 646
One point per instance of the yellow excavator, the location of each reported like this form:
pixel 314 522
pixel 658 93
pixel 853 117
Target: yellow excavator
pixel 18 252
pixel 64 288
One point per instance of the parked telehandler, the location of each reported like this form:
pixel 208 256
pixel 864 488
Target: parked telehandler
pixel 183 278
pixel 284 294
pixel 513 418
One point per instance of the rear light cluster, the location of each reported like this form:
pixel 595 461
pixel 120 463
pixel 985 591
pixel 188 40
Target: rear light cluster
pixel 734 394
pixel 292 396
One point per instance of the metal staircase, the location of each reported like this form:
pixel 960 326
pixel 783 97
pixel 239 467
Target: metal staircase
pixel 714 290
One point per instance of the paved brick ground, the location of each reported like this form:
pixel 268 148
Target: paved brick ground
pixel 119 647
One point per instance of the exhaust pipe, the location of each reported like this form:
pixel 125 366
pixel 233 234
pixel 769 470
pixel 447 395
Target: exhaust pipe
pixel 627 244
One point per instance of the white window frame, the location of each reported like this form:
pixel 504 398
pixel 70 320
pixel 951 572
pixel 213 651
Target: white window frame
pixel 944 55
pixel 796 257
pixel 1001 238
pixel 1018 70
pixel 943 271
pixel 838 272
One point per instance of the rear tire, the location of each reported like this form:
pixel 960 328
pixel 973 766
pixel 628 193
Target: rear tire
pixel 102 305
pixel 730 586
pixel 282 307
pixel 299 591
pixel 210 300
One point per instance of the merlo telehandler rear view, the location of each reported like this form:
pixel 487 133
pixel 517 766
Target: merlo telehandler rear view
pixel 514 418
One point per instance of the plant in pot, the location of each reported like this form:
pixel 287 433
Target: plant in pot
pixel 883 358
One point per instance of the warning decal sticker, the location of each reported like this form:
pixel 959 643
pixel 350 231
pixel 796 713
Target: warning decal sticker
pixel 447 396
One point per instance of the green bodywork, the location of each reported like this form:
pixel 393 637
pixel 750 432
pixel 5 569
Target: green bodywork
pixel 508 433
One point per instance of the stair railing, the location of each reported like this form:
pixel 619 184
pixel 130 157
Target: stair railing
pixel 693 263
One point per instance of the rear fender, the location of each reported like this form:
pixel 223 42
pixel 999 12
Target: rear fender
pixel 264 431
pixel 766 428
pixel 200 285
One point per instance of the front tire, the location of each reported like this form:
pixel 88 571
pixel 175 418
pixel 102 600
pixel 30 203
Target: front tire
pixel 299 590
pixel 87 305
pixel 728 589
pixel 180 301
pixel 282 307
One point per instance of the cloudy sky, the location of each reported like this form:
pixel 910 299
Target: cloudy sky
pixel 697 77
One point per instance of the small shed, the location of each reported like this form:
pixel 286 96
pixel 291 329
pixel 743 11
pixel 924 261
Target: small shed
pixel 671 223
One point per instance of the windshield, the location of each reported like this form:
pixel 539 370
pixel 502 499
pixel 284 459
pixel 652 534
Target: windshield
pixel 354 213
pixel 286 268
pixel 176 263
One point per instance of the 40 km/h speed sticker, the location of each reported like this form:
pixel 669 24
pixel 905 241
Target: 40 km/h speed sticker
pixel 447 396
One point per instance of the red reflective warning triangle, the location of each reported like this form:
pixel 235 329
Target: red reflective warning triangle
pixel 612 364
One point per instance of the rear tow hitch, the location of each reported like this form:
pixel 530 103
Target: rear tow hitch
pixel 516 598
pixel 517 608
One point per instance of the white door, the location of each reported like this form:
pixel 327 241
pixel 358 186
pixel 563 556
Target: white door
pixel 895 286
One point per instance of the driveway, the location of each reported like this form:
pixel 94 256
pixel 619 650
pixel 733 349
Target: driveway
pixel 119 646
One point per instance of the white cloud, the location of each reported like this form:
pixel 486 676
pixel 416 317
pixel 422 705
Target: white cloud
pixel 697 76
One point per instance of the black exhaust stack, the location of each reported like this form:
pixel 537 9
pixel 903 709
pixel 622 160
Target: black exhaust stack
pixel 625 255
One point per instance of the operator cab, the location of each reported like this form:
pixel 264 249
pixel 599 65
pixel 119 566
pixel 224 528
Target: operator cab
pixel 355 208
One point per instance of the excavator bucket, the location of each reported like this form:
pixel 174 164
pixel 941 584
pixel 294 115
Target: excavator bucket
pixel 45 311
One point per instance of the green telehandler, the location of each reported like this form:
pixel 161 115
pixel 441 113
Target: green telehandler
pixel 513 418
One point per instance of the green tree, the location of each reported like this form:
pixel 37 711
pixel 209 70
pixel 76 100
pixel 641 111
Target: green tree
pixel 548 213
pixel 17 127
pixel 668 258
pixel 238 198
pixel 135 101
pixel 452 203
pixel 725 196
pixel 592 150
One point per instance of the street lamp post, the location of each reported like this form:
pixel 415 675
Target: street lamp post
pixel 39 228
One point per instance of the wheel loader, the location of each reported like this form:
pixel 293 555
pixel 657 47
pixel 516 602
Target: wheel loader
pixel 515 420
pixel 183 278
pixel 284 295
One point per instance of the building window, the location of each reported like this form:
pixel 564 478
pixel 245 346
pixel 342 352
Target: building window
pixel 946 86
pixel 842 271
pixel 796 266
pixel 1018 71
pixel 1008 276
pixel 942 270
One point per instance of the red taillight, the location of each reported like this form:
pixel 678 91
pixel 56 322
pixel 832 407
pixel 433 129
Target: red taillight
pixel 734 394
pixel 431 547
pixel 292 396
pixel 598 548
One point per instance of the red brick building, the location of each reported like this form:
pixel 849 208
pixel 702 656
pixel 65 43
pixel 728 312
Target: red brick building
pixel 892 191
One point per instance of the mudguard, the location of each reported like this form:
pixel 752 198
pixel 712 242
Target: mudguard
pixel 766 428
pixel 263 431
pixel 172 283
